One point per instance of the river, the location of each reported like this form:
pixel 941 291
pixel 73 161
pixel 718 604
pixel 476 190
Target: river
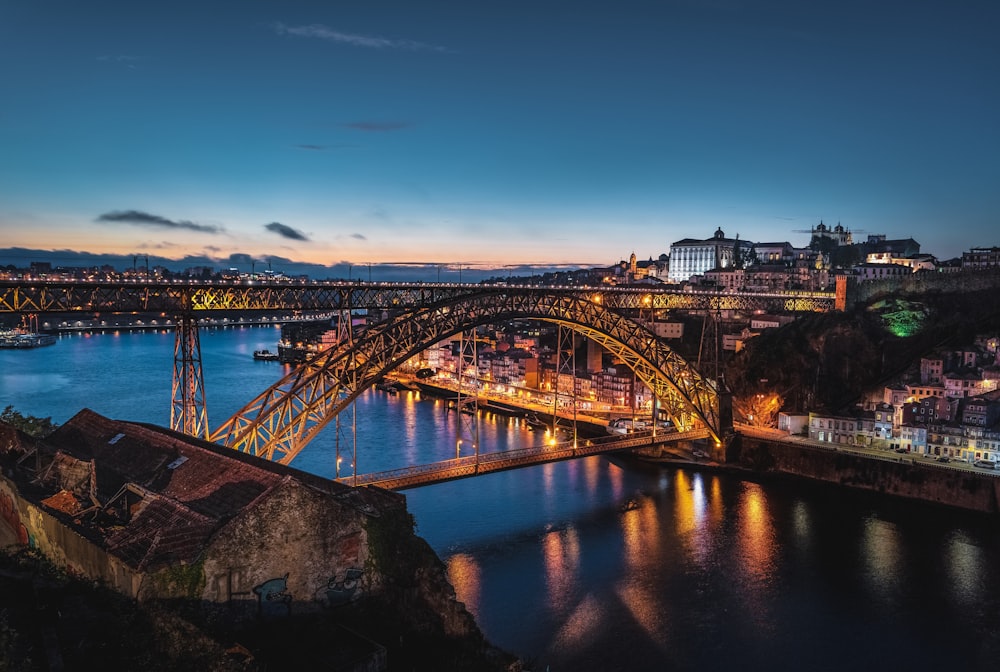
pixel 596 564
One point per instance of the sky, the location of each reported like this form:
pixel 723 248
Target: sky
pixel 491 134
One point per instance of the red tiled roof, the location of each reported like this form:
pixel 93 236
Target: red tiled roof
pixel 186 488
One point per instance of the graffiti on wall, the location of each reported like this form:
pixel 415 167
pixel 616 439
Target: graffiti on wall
pixel 339 591
pixel 273 597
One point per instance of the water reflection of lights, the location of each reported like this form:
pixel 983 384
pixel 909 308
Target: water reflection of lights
pixel 617 481
pixel 756 533
pixel 410 427
pixel 641 533
pixel 880 548
pixel 800 524
pixel 581 625
pixel 591 473
pixel 464 575
pixel 646 610
pixel 684 503
pixel 561 551
pixel 965 566
pixel 690 507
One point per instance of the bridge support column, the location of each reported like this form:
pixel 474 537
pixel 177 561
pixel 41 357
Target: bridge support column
pixel 187 410
pixel 467 401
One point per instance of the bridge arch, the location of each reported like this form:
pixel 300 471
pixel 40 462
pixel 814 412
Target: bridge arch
pixel 282 420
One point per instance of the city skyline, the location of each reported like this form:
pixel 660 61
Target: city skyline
pixel 513 136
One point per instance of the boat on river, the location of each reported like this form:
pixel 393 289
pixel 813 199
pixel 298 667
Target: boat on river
pixel 265 355
pixel 20 340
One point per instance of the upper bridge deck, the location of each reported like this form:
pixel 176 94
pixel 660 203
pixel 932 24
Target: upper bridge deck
pixel 187 296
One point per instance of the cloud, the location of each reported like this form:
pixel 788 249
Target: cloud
pixel 140 218
pixel 376 126
pixel 322 32
pixel 162 245
pixel 358 236
pixel 285 231
pixel 315 148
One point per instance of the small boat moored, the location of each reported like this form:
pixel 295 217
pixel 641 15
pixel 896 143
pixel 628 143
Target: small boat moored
pixel 265 356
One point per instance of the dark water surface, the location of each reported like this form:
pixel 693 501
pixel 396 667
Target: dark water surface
pixel 601 565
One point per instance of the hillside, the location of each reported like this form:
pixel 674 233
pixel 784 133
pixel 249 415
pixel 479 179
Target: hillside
pixel 827 360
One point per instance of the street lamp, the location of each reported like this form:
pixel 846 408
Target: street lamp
pixel 458 446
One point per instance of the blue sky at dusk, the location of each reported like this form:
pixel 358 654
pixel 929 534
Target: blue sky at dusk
pixel 493 133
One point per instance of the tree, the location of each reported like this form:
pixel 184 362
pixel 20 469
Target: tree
pixel 29 424
pixel 759 410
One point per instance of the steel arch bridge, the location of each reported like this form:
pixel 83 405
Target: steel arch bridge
pixel 279 423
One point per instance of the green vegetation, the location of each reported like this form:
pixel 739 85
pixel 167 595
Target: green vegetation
pixel 29 424
pixel 825 361
pixel 901 318
pixel 183 581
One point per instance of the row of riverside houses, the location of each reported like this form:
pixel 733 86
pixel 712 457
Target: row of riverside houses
pixel 950 409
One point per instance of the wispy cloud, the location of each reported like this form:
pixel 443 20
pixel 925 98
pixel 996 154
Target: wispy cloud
pixel 140 218
pixel 376 126
pixel 162 245
pixel 322 148
pixel 121 59
pixel 319 31
pixel 285 231
pixel 358 236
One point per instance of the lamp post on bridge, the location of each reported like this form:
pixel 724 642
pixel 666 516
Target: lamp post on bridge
pixel 458 446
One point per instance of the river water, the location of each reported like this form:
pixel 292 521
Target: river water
pixel 600 565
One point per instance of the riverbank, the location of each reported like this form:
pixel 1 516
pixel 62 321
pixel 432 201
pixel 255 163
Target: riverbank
pixel 759 458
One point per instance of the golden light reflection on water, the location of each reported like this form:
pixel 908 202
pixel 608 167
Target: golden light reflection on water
pixel 591 473
pixel 410 427
pixel 646 609
pixel 756 536
pixel 756 542
pixel 464 575
pixel 582 626
pixel 641 533
pixel 617 481
pixel 690 515
pixel 880 550
pixel 561 553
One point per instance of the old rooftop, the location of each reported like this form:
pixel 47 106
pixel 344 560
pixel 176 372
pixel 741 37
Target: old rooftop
pixel 149 495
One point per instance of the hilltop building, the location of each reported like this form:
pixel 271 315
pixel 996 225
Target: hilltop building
pixel 837 234
pixel 689 257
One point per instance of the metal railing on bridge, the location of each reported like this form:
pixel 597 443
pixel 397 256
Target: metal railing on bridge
pixel 174 297
pixel 474 465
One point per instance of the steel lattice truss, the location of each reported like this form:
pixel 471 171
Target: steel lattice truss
pixel 188 413
pixel 285 417
pixel 174 298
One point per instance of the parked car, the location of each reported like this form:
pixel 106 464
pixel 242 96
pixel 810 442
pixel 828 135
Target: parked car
pixel 985 464
pixel 944 458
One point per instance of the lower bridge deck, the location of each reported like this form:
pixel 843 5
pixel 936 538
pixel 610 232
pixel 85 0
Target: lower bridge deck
pixel 484 463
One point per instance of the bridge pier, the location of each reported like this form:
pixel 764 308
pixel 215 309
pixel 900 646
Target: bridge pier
pixel 188 413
